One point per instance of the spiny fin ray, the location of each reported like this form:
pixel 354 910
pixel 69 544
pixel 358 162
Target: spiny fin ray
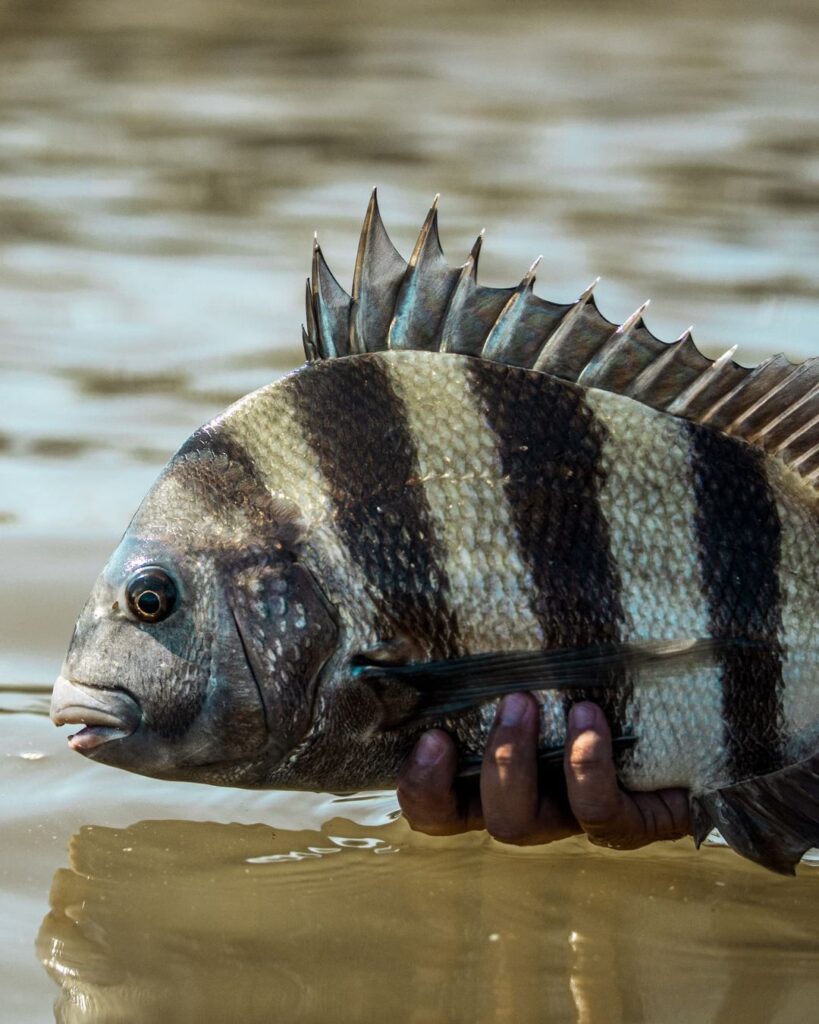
pixel 424 293
pixel 379 271
pixel 329 327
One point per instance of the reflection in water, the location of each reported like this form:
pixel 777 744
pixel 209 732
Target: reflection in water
pixel 192 921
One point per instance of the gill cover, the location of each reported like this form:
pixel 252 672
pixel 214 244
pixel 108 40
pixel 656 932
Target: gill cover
pixel 287 631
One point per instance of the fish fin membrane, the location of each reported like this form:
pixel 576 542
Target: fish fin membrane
pixel 772 820
pixel 421 691
pixel 426 304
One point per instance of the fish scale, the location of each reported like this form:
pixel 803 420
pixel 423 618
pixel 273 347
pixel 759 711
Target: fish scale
pixel 464 493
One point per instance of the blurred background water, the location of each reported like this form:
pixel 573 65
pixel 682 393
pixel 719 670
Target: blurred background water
pixel 162 170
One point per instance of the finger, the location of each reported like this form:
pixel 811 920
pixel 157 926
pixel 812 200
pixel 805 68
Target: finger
pixel 665 813
pixel 427 791
pixel 596 800
pixel 509 778
pixel 679 810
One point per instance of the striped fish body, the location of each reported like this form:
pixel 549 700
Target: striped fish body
pixel 465 506
pixel 468 491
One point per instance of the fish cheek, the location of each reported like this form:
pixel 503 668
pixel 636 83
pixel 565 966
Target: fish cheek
pixel 288 631
pixel 169 665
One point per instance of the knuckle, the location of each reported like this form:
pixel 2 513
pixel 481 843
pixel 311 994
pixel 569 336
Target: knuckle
pixel 509 834
pixel 595 816
pixel 672 829
pixel 407 786
pixel 415 790
pixel 520 829
pixel 431 828
pixel 678 821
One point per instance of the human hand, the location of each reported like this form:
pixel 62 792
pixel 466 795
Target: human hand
pixel 510 804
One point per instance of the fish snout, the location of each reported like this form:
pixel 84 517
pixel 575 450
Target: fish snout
pixel 107 714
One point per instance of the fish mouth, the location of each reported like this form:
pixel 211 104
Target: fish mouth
pixel 107 713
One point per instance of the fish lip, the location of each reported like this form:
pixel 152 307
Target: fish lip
pixel 107 713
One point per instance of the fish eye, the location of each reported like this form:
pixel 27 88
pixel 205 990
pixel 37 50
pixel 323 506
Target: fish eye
pixel 151 594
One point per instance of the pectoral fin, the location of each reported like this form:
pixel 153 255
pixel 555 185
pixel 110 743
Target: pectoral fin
pixel 422 691
pixel 772 820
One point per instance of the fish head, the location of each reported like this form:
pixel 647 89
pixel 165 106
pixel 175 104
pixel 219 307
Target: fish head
pixel 198 652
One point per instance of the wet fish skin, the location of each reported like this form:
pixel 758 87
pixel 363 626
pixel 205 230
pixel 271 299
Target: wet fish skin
pixel 433 505
pixel 457 582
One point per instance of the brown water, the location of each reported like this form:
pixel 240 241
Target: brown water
pixel 162 168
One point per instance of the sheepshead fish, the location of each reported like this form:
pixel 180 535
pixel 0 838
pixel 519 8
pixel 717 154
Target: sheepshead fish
pixel 468 491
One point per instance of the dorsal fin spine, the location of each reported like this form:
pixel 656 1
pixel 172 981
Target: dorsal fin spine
pixel 413 322
pixel 616 340
pixel 464 286
pixel 498 336
pixel 681 403
pixel 645 381
pixel 429 230
pixel 331 308
pixel 770 425
pixel 475 253
pixel 561 332
pixel 731 394
pixel 311 330
pixel 793 437
pixel 806 455
pixel 379 270
pixel 735 424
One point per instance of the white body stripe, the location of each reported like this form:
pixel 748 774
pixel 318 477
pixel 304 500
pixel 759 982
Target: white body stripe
pixel 648 501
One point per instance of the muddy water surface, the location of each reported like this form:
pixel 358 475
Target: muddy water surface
pixel 162 168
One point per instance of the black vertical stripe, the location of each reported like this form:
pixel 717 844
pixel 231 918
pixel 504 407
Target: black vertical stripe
pixel 358 427
pixel 550 447
pixel 739 540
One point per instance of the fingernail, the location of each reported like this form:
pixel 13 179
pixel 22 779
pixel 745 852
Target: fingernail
pixel 513 709
pixel 428 751
pixel 583 716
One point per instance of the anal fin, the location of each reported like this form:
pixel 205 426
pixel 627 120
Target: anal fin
pixel 772 820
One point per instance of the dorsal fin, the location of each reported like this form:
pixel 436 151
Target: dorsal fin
pixel 426 304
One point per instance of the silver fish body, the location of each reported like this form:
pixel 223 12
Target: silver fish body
pixel 441 483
